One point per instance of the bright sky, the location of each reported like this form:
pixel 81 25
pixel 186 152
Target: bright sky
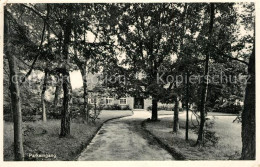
pixel 76 79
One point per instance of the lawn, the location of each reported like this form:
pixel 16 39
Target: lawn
pixel 43 138
pixel 164 112
pixel 229 143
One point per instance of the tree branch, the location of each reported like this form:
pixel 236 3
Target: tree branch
pixel 42 17
pixel 23 61
pixel 230 57
pixel 36 58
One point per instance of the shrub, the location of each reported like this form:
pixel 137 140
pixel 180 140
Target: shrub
pixel 115 107
pixel 231 108
pixel 125 107
pixel 163 107
pixel 31 114
pixel 53 112
pixel 7 113
pixel 210 137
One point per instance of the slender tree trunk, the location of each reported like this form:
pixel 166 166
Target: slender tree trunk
pixel 65 119
pixel 44 87
pixel 82 66
pixel 248 114
pixel 187 109
pixel 205 80
pixel 15 97
pixel 65 114
pixel 154 109
pixel 57 92
pixel 85 93
pixel 16 109
pixel 176 115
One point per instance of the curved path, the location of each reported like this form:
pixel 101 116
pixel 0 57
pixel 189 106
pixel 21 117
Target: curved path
pixel 120 139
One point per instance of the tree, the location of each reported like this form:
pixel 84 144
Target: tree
pixel 176 115
pixel 44 87
pixel 143 33
pixel 46 72
pixel 187 23
pixel 33 52
pixel 14 91
pixel 89 54
pixel 181 55
pixel 205 81
pixel 57 90
pixel 65 114
pixel 242 53
pixel 248 114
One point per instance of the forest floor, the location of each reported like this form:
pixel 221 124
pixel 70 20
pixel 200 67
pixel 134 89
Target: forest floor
pixel 42 139
pixel 227 136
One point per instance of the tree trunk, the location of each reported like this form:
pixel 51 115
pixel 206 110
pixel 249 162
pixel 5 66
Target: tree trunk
pixel 57 92
pixel 154 109
pixel 85 93
pixel 205 80
pixel 176 115
pixel 187 109
pixel 82 66
pixel 248 114
pixel 15 98
pixel 65 114
pixel 44 87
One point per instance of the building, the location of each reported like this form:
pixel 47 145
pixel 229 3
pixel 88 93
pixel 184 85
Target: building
pixel 106 97
pixel 132 102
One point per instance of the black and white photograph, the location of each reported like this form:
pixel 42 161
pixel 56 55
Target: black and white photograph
pixel 129 81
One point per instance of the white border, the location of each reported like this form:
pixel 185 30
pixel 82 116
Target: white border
pixel 255 163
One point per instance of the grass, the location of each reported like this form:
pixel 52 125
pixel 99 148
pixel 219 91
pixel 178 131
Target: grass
pixel 228 146
pixel 43 138
pixel 163 112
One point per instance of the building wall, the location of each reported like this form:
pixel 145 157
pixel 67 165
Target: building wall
pixel 130 102
pixel 147 103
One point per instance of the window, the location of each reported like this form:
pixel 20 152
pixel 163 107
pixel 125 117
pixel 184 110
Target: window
pixel 102 101
pixel 109 101
pixel 122 101
pixel 92 101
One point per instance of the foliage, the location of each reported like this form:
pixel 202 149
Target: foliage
pixel 162 107
pixel 210 137
pixel 231 108
pixel 116 107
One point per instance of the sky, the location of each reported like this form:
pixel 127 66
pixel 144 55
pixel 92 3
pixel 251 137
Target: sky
pixel 76 79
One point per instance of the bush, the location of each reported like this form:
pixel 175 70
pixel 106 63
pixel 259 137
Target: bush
pixel 8 116
pixel 125 107
pixel 31 114
pixel 53 112
pixel 231 109
pixel 164 107
pixel 115 107
pixel 210 137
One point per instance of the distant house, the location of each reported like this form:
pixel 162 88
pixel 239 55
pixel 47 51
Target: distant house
pixel 132 102
pixel 104 96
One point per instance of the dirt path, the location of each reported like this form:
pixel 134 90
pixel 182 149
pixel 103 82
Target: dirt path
pixel 118 140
